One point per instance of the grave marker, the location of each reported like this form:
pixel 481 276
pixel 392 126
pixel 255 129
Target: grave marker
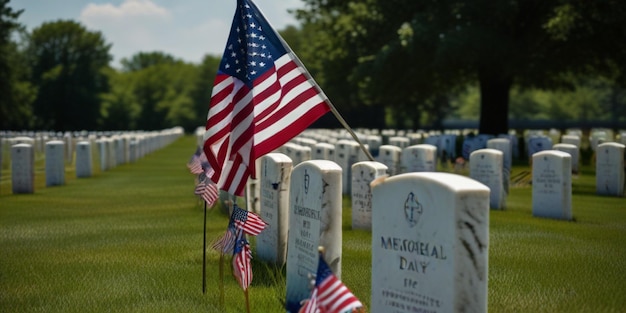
pixel 610 169
pixel 83 159
pixel 430 243
pixel 314 220
pixel 486 166
pixel 363 173
pixel 55 163
pixel 552 184
pixel 271 243
pixel 419 158
pixel 23 168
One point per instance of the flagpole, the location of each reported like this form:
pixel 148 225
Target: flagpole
pixel 321 92
pixel 204 254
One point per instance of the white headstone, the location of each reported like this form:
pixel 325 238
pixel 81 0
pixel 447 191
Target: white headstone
pixel 419 158
pixel 55 163
pixel 610 169
pixel 346 154
pixel 323 151
pixel 363 173
pixel 314 220
pixel 503 145
pixel 486 166
pixel 271 243
pixel 538 144
pixel 398 141
pixel 430 243
pixel 23 168
pixel 390 156
pixel 571 139
pixel 573 151
pixel 83 159
pixel 552 184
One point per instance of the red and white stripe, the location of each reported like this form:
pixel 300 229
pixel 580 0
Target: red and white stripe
pixel 244 124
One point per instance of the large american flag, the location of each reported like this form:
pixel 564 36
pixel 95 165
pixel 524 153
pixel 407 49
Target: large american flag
pixel 262 97
pixel 330 294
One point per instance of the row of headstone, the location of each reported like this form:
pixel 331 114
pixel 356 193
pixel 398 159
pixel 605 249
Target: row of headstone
pixel 430 232
pixel 112 151
pixel 430 252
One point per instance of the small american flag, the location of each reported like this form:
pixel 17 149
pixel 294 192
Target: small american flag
pixel 249 222
pixel 226 243
pixel 330 294
pixel 242 269
pixel 262 97
pixel 195 164
pixel 208 191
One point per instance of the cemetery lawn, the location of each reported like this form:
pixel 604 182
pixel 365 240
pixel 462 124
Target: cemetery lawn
pixel 130 240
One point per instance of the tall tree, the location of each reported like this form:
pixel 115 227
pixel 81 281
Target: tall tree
pixel 67 67
pixel 17 94
pixel 411 51
pixel 143 60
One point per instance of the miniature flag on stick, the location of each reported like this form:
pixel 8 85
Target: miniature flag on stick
pixel 262 97
pixel 330 295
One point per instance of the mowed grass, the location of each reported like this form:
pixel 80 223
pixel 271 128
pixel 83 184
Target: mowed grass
pixel 130 240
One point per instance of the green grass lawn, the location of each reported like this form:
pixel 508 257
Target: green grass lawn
pixel 130 240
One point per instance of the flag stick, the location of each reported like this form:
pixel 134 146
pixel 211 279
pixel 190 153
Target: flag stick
pixel 245 292
pixel 204 253
pixel 332 107
pixel 221 279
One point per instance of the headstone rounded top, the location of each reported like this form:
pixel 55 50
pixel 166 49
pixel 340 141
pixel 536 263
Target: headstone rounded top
pixel 564 145
pixel 452 181
pixel 486 150
pixel 373 164
pixel 22 145
pixel 278 157
pixel 552 153
pixel 611 144
pixel 390 147
pixel 424 146
pixel 322 165
pixel 55 142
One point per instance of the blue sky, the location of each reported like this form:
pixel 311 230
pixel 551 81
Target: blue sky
pixel 186 29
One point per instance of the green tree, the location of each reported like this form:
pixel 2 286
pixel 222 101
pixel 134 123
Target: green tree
pixel 408 52
pixel 144 60
pixel 17 94
pixel 120 109
pixel 68 63
pixel 201 90
pixel 162 89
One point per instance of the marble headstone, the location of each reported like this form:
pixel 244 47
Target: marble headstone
pixel 486 166
pixel 271 243
pixel 83 159
pixel 363 173
pixel 314 220
pixel 610 169
pixel 503 145
pixel 430 243
pixel 55 163
pixel 552 184
pixel 23 168
pixel 573 151
pixel 390 156
pixel 419 158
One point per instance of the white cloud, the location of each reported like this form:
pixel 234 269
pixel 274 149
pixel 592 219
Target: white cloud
pixel 128 9
pixel 133 26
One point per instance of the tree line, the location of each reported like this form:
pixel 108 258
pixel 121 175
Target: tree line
pixel 382 63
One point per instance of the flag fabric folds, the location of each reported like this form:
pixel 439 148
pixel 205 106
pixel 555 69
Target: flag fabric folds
pixel 242 268
pixel 195 164
pixel 207 190
pixel 241 223
pixel 262 97
pixel 330 295
pixel 249 222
